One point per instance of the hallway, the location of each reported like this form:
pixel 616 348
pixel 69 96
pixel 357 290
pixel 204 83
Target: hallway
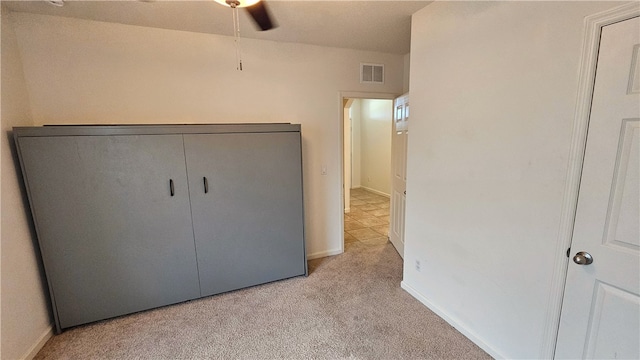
pixel 368 220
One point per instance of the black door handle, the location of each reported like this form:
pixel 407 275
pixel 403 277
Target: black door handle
pixel 206 184
pixel 171 189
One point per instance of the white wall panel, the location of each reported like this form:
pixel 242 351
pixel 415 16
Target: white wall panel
pixel 25 314
pixel 376 144
pixel 356 143
pixel 81 71
pixel 493 91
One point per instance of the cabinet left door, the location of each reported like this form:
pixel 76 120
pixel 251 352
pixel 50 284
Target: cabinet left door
pixel 113 221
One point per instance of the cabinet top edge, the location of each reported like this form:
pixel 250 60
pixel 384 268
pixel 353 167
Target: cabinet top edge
pixel 97 130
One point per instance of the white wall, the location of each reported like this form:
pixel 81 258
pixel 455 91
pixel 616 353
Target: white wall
pixel 92 72
pixel 356 144
pixel 346 148
pixel 376 118
pixel 25 314
pixel 493 91
pixel 407 72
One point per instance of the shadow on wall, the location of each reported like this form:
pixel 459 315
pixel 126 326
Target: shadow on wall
pixel 27 213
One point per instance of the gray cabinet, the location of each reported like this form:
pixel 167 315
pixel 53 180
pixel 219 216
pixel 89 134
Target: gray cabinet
pixel 130 218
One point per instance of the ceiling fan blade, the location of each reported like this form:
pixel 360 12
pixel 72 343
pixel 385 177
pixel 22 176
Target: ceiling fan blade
pixel 260 15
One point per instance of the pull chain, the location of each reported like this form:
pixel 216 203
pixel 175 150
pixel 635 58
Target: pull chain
pixel 236 35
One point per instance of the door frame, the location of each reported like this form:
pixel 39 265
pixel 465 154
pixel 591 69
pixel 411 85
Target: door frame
pixel 593 25
pixel 342 95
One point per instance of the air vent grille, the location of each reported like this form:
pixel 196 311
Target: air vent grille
pixel 372 73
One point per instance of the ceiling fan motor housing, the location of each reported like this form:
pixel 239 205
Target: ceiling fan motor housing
pixel 238 3
pixel 257 9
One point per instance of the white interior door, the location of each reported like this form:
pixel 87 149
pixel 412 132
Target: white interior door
pixel 399 172
pixel 601 307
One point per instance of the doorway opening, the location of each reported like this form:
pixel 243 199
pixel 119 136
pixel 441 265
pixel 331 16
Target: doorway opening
pixel 367 151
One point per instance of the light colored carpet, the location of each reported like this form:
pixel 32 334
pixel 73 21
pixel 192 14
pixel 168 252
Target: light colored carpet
pixel 350 307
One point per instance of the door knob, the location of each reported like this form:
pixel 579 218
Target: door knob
pixel 583 258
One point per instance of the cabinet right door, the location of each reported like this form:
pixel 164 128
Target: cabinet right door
pixel 246 202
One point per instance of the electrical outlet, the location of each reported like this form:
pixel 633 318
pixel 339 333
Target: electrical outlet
pixel 418 265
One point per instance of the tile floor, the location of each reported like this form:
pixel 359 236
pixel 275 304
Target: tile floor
pixel 368 220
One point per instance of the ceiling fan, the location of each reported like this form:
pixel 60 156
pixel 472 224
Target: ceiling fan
pixel 257 10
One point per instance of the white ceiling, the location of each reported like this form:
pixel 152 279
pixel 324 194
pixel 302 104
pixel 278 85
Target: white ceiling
pixel 383 26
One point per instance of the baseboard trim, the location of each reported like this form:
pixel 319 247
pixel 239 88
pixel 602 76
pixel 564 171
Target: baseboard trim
pixel 322 254
pixel 35 348
pixel 347 210
pixel 375 191
pixel 457 324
